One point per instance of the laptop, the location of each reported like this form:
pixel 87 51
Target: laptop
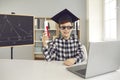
pixel 103 57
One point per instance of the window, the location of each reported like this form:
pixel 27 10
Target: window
pixel 110 20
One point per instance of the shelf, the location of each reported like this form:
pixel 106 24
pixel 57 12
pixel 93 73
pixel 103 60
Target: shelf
pixel 39 29
pixel 38 41
pixel 43 29
pixel 36 29
pixel 38 53
pixel 38 49
pixel 39 57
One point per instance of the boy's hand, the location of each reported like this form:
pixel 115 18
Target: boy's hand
pixel 69 62
pixel 45 39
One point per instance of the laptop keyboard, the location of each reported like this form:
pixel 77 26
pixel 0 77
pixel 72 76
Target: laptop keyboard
pixel 82 71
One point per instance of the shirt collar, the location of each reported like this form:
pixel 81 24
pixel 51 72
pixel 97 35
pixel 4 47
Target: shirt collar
pixel 71 37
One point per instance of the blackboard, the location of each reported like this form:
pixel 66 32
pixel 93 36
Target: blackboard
pixel 16 30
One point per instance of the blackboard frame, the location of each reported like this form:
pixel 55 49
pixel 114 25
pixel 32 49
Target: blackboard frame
pixel 16 30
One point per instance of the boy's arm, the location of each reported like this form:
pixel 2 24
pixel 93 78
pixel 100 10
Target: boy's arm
pixel 49 51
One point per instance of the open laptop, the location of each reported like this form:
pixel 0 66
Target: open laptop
pixel 103 57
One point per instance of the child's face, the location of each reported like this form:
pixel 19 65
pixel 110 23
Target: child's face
pixel 66 29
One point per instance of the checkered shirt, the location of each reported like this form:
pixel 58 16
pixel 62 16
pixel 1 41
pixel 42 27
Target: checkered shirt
pixel 60 49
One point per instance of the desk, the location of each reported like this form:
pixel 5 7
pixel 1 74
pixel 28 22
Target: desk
pixel 42 70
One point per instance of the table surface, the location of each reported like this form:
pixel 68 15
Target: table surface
pixel 42 70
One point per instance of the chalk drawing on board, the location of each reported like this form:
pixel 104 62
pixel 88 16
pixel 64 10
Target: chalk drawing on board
pixel 16 30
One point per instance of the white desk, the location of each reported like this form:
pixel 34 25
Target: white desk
pixel 42 70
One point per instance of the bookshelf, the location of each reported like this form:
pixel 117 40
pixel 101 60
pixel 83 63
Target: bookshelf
pixel 38 31
pixel 53 30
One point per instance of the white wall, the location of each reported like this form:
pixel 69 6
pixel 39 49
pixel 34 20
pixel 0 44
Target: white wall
pixel 43 8
pixel 19 52
pixel 118 19
pixel 23 52
pixel 94 20
pixel 5 53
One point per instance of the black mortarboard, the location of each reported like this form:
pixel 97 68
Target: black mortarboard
pixel 64 16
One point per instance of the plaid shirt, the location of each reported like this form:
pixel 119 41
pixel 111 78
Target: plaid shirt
pixel 60 49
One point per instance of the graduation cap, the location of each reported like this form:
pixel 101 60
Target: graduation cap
pixel 64 16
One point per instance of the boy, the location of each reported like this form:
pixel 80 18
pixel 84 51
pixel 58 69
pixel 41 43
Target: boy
pixel 65 48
